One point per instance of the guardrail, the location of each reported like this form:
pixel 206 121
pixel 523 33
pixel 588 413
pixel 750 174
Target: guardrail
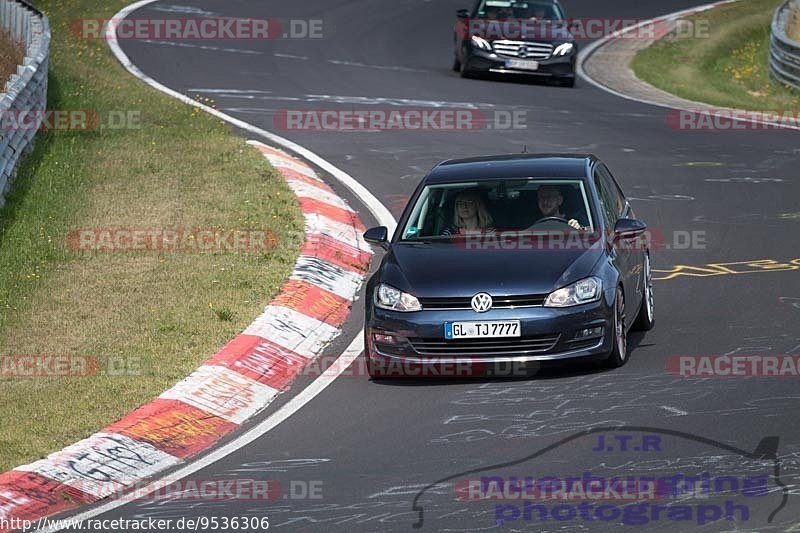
pixel 784 53
pixel 25 91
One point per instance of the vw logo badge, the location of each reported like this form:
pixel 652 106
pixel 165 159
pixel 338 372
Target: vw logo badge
pixel 481 302
pixel 523 51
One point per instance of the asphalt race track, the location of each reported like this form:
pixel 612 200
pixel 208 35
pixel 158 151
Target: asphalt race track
pixel 386 455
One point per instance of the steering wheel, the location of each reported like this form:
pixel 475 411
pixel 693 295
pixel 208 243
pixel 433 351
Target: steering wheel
pixel 548 219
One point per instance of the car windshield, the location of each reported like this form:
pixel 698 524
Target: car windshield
pixel 518 9
pixel 443 211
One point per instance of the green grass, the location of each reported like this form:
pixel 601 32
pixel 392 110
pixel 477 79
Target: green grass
pixel 158 314
pixel 728 67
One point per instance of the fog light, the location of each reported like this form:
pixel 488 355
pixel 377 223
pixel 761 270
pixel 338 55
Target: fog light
pixel 589 333
pixel 382 338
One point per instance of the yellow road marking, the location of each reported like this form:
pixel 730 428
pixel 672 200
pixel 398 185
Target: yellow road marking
pixel 725 269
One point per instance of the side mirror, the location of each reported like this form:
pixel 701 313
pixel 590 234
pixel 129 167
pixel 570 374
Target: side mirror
pixel 379 236
pixel 462 13
pixel 629 228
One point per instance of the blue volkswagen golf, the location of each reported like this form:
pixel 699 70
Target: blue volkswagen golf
pixel 512 259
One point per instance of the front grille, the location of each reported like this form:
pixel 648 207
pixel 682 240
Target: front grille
pixel 484 347
pixel 523 49
pixel 498 302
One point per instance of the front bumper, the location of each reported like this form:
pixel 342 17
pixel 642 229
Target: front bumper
pixel 546 335
pixel 560 67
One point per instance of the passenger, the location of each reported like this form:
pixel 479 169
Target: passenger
pixel 469 214
pixel 550 200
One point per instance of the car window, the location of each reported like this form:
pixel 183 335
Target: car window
pixel 518 9
pixel 606 202
pixel 445 210
pixel 613 192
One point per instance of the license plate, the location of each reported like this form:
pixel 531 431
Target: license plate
pixel 522 64
pixel 481 330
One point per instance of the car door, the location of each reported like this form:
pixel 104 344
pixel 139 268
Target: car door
pixel 624 255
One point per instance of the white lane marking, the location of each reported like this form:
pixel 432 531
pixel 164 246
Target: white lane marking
pixel 201 47
pixel 379 67
pixel 359 100
pixel 228 91
pixel 188 10
pixel 290 56
pixel 674 410
pixel 292 406
pixel 369 100
pixel 254 110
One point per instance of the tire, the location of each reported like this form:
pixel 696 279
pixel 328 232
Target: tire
pixel 619 351
pixel 645 320
pixel 465 72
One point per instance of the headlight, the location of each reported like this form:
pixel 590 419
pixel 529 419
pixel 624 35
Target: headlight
pixel 481 43
pixel 387 297
pixel 564 49
pixel 581 292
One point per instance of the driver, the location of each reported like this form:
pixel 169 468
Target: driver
pixel 550 200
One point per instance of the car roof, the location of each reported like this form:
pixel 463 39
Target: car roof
pixel 511 166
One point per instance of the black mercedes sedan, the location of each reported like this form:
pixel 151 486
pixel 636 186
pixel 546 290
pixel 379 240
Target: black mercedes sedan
pixel 510 259
pixel 522 37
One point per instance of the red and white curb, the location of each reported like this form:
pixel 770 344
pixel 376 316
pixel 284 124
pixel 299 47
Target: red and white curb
pixel 230 387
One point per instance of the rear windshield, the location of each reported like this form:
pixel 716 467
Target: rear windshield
pixel 536 205
pixel 517 9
